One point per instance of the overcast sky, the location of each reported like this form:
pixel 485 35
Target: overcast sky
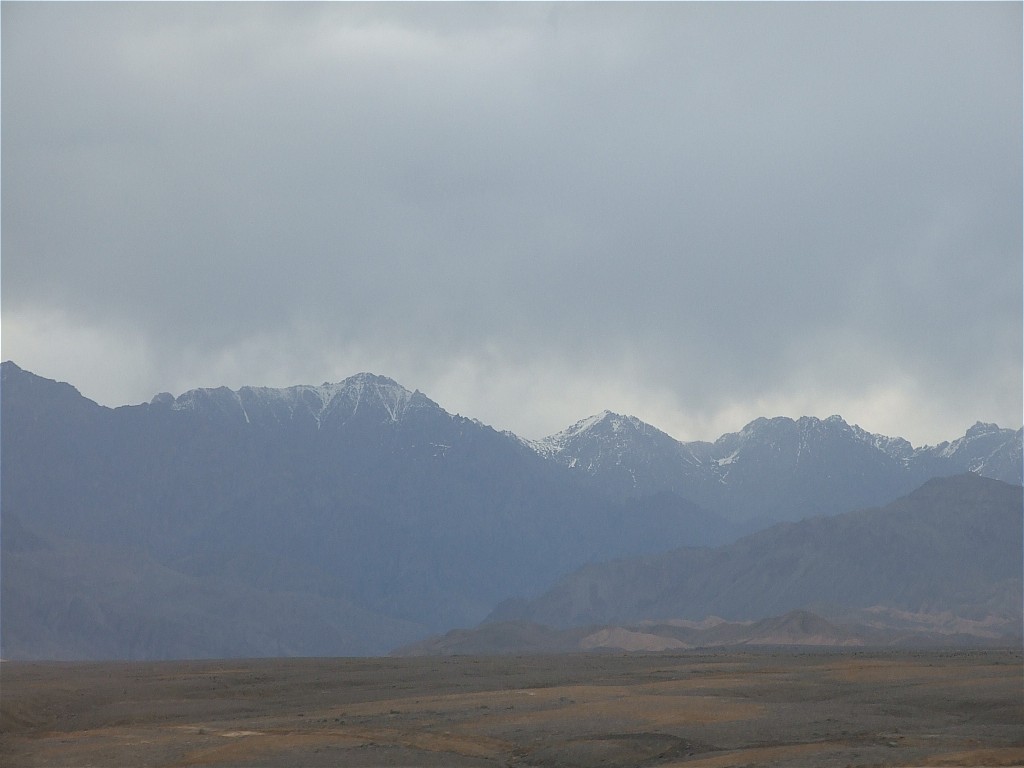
pixel 693 213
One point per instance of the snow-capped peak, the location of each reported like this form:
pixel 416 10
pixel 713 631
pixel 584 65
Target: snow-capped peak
pixel 554 444
pixel 608 427
pixel 366 388
pixel 979 439
pixel 342 399
pixel 984 428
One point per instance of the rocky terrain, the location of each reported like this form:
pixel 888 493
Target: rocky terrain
pixel 941 566
pixel 354 517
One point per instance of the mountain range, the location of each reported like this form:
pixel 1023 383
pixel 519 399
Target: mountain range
pixel 941 565
pixel 953 545
pixel 354 517
pixel 774 469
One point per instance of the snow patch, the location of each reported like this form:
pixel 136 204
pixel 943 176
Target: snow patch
pixel 732 458
pixel 346 398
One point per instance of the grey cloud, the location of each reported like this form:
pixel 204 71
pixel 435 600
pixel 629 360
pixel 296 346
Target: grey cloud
pixel 743 201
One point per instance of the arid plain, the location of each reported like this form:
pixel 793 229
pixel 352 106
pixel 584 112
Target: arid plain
pixel 706 709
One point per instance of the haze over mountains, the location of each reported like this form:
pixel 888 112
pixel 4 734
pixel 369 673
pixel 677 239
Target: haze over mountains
pixel 351 518
pixel 952 546
pixel 774 469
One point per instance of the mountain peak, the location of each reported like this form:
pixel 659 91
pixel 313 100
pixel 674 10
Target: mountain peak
pixel 604 425
pixel 365 393
pixel 368 389
pixel 982 428
pixel 626 451
pixel 365 379
pixel 617 422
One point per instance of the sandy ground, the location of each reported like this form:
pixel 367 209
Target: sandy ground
pixel 706 710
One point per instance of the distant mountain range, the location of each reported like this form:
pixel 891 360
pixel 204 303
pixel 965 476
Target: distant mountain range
pixel 774 469
pixel 954 545
pixel 941 565
pixel 793 629
pixel 522 637
pixel 354 517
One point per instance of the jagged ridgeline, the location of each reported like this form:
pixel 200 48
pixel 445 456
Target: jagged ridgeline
pixel 354 517
pixel 774 469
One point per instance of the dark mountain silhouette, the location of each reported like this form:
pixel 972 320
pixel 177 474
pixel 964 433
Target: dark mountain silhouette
pixel 362 503
pixel 951 547
pixel 339 519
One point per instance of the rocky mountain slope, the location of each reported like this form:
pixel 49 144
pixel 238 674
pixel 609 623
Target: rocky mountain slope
pixel 343 519
pixel 352 517
pixel 952 547
pixel 774 469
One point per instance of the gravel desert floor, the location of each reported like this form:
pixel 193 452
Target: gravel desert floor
pixel 694 709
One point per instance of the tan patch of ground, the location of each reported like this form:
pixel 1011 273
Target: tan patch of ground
pixel 758 756
pixel 636 710
pixel 627 640
pixel 884 671
pixel 792 709
pixel 1005 756
pixel 259 745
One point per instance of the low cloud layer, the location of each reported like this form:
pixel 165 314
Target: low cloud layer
pixel 694 213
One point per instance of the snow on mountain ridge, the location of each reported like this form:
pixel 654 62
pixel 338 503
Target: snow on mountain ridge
pixel 764 428
pixel 608 437
pixel 554 444
pixel 606 426
pixel 319 402
pixel 982 443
